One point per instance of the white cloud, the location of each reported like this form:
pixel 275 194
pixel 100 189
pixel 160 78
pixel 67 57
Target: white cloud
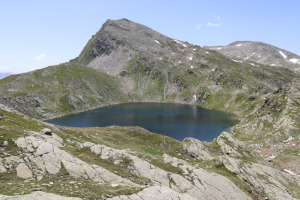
pixel 40 57
pixel 213 25
pixel 198 27
pixel 216 23
pixel 218 17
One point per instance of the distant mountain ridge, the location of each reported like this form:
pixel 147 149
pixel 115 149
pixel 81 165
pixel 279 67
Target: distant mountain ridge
pixel 3 75
pixel 259 52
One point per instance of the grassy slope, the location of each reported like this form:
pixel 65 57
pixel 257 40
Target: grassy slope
pixel 61 89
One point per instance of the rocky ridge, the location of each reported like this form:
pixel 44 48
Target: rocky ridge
pixel 259 52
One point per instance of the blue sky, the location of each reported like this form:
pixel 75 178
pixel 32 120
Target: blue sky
pixel 39 33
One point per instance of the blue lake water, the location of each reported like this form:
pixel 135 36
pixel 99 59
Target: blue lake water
pixel 174 120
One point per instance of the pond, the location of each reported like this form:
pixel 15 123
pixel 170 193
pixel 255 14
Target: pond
pixel 174 120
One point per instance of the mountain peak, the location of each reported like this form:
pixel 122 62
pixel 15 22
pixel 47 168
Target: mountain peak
pixel 123 32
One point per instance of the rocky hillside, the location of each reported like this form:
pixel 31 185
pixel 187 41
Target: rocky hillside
pixel 44 161
pixel 54 90
pixel 259 52
pixel 126 62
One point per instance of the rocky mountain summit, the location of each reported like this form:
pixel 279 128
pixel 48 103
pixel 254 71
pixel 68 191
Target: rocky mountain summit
pixel 259 52
pixel 128 62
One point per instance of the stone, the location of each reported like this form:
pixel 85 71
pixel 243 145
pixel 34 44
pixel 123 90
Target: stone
pixel 21 142
pixel 2 168
pixel 181 183
pixel 44 148
pixel 13 159
pixel 155 193
pixel 23 171
pixel 46 131
pixel 196 149
pixel 114 185
pixel 38 161
pixel 39 195
pixel 74 168
pixel 88 144
pixel 5 143
pixel 52 163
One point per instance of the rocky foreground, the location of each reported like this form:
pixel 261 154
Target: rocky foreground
pixel 43 161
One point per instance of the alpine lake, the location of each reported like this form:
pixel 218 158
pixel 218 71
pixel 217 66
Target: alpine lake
pixel 178 121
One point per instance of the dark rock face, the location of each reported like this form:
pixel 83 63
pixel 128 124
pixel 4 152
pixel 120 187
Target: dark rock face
pixel 204 66
pixel 251 98
pixel 269 103
pixel 190 71
pixel 203 95
pixel 105 43
pixel 47 131
pixel 123 73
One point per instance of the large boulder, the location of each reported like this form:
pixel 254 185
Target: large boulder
pixel 196 149
pixel 23 171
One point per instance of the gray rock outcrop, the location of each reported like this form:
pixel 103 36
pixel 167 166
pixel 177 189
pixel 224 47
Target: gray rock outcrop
pixel 23 171
pixel 38 196
pixel 196 149
pixel 267 180
pixel 46 156
pixel 155 193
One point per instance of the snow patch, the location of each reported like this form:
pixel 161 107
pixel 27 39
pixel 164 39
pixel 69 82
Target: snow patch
pixel 238 45
pixel 259 56
pixel 157 41
pixel 273 65
pixel 192 66
pixel 290 172
pixel 195 97
pixel 253 64
pixel 194 49
pixel 219 48
pixel 190 58
pixel 237 61
pixel 207 52
pixel 283 55
pixel 295 60
pixel 180 43
pixel 179 62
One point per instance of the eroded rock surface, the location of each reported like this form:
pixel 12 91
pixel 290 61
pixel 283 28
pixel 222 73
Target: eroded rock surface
pixel 37 196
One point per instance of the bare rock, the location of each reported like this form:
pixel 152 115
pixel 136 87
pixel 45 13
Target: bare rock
pixel 155 193
pixel 23 171
pixel 182 184
pixel 44 148
pixel 52 163
pixel 229 145
pixel 46 131
pixel 21 142
pixel 13 160
pixel 2 168
pixel 39 195
pixel 196 149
